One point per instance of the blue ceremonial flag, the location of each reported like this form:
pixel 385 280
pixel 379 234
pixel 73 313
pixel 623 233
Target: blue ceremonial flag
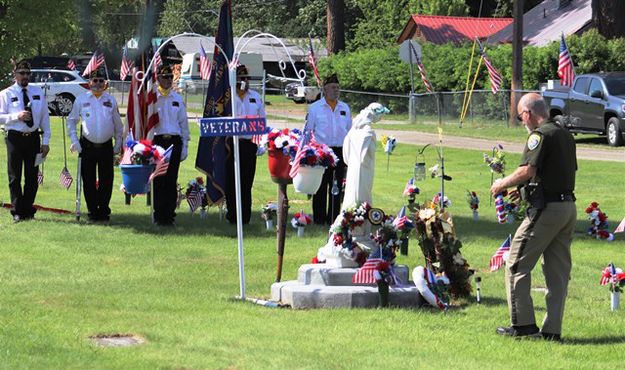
pixel 212 151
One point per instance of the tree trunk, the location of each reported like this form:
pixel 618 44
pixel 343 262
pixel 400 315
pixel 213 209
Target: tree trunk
pixel 606 15
pixel 517 60
pixel 336 26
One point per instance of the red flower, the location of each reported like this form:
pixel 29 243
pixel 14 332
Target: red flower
pixel 338 239
pixel 314 260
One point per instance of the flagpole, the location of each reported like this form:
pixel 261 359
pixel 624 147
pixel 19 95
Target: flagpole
pixel 466 89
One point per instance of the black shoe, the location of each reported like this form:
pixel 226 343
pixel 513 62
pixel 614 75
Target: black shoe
pixel 551 337
pixel 530 331
pixel 16 219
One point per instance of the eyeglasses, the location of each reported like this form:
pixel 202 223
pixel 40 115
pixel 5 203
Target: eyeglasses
pixel 519 116
pixel 98 80
pixel 24 73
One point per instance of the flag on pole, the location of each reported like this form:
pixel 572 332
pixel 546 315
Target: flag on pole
pixel 194 199
pixel 424 77
pixel 151 98
pixel 126 65
pixel 306 136
pixel 94 63
pixel 156 61
pixel 620 228
pixel 493 74
pixel 611 274
pixel 71 64
pixel 401 220
pixel 313 62
pixel 566 71
pixel 40 177
pixel 365 274
pixel 162 164
pixel 66 178
pixel 211 154
pixel 205 67
pixel 497 260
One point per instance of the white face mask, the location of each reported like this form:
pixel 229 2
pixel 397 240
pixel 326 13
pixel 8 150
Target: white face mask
pixel 242 85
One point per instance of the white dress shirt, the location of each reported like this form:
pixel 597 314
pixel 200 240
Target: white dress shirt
pixel 329 126
pixel 12 104
pixel 100 120
pixel 250 105
pixel 172 117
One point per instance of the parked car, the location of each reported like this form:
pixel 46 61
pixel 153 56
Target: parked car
pixel 302 94
pixel 61 88
pixel 595 105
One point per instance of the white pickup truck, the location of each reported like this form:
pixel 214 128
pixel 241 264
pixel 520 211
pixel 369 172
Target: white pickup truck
pixel 302 94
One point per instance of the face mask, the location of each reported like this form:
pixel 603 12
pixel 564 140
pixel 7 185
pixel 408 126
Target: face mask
pixel 242 85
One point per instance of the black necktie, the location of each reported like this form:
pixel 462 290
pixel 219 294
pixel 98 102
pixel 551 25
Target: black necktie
pixel 26 99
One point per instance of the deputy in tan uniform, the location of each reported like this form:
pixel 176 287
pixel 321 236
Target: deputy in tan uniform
pixel 546 177
pixel 100 121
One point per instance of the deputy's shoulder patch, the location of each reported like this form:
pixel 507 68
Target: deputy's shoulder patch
pixel 533 141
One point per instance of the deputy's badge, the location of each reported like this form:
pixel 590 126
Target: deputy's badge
pixel 375 216
pixel 533 141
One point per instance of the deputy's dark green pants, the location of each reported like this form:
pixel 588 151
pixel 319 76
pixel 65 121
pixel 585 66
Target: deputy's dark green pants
pixel 547 232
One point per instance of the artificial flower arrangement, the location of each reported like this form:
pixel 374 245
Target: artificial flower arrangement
pixel 437 239
pixel 615 277
pixel 350 218
pixel 598 222
pixel 497 162
pixel 299 221
pixel 474 203
pixel 284 140
pixel 269 212
pixel 196 195
pixel 508 210
pixel 315 154
pixel 143 152
pixel 411 190
pixel 437 199
pixel 389 143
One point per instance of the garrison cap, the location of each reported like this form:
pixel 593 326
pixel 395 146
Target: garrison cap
pixel 22 65
pixel 242 71
pixel 331 79
pixel 164 70
pixel 98 73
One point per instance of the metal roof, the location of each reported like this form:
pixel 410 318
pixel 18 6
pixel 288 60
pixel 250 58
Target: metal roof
pixel 545 22
pixel 439 29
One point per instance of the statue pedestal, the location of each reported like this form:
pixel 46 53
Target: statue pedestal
pixel 322 286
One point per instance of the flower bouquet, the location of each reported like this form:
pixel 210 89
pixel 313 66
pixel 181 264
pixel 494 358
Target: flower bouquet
pixel 616 278
pixel 280 145
pixel 496 162
pixel 411 191
pixel 138 163
pixel 343 226
pixel 474 203
pixel 598 223
pixel 299 221
pixel 196 196
pixel 436 200
pixel 308 165
pixel 269 213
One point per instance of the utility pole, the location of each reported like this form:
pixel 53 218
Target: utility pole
pixel 517 59
pixel 336 25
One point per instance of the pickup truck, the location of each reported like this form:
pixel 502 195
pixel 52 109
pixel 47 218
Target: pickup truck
pixel 302 94
pixel 595 105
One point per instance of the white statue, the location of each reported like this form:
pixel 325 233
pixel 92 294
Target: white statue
pixel 359 155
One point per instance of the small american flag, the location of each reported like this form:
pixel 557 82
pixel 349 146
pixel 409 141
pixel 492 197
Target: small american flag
pixel 313 62
pixel 365 274
pixel 493 75
pixel 610 275
pixel 157 61
pixel 430 278
pixel 401 220
pixel 126 65
pixel 621 227
pixel 496 261
pixel 66 178
pixel 194 198
pixel 71 65
pixel 306 137
pixel 566 71
pixel 94 63
pixel 162 164
pixel 40 177
pixel 205 65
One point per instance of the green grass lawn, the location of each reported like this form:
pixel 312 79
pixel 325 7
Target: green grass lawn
pixel 63 281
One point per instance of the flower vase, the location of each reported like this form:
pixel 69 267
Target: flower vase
pixel 300 231
pixel 476 215
pixel 615 300
pixel 403 247
pixel 383 290
pixel 269 224
pixel 308 179
pixel 279 166
pixel 135 178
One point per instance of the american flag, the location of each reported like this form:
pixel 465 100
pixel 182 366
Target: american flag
pixel 40 177
pixel 205 65
pixel 401 220
pixel 127 151
pixel 610 275
pixel 306 137
pixel 94 63
pixel 162 164
pixel 71 64
pixel 66 178
pixel 621 227
pixel 365 274
pixel 156 61
pixel 313 62
pixel 126 65
pixel 496 261
pixel 495 77
pixel 430 278
pixel 424 77
pixel 142 104
pixel 194 198
pixel 566 71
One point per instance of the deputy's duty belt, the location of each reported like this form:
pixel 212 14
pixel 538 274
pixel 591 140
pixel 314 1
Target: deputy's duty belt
pixel 564 197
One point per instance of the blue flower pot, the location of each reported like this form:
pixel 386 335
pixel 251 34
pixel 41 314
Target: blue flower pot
pixel 135 178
